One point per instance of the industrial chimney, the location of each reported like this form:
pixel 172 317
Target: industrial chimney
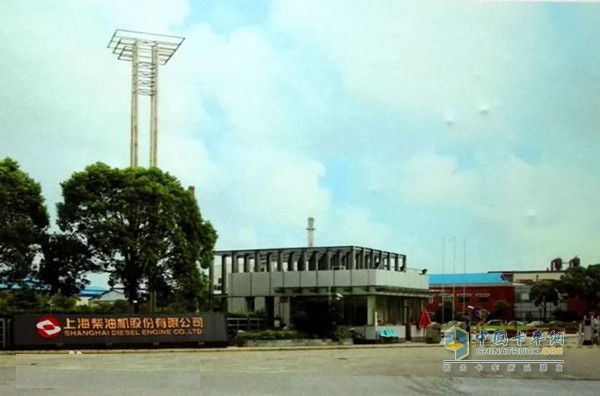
pixel 311 232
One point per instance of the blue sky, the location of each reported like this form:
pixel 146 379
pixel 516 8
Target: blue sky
pixel 406 126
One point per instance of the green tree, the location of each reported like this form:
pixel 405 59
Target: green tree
pixel 583 283
pixel 65 264
pixel 502 310
pixel 22 300
pixel 544 292
pixel 23 222
pixel 567 315
pixel 443 314
pixel 142 227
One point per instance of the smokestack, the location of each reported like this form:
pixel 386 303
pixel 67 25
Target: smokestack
pixel 311 232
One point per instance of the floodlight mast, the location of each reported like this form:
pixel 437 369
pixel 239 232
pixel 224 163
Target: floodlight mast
pixel 146 52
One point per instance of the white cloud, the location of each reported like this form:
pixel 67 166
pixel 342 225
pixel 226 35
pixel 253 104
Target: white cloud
pixel 243 72
pixel 433 179
pixel 442 82
pixel 546 210
pixel 471 67
pixel 354 225
pixel 443 60
pixel 273 184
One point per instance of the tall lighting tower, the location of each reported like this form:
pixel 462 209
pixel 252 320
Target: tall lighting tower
pixel 145 51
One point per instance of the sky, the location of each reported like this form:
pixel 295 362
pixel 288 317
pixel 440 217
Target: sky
pixel 463 134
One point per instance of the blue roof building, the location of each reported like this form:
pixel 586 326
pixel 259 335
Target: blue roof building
pixel 467 279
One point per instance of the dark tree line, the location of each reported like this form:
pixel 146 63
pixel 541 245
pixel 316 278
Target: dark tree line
pixel 577 282
pixel 138 225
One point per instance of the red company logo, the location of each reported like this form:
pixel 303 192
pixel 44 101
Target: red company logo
pixel 48 327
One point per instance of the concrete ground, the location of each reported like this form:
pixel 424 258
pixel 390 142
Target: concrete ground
pixel 383 370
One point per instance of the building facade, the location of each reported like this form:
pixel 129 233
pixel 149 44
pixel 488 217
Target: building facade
pixel 479 290
pixel 484 290
pixel 376 288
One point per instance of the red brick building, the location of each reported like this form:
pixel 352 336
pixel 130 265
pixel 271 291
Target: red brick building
pixel 480 290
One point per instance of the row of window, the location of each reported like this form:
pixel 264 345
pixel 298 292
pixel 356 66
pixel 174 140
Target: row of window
pixel 482 297
pixel 466 298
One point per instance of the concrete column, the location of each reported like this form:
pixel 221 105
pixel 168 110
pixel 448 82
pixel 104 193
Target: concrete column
pixel 371 311
pixel 352 260
pixel 224 289
pixel 279 260
pixel 396 263
pixel 291 261
pixel 269 266
pixel 211 280
pixel 234 263
pixel 335 260
pixel 133 154
pixel 312 261
pixel 361 259
pixel 365 259
pixel 154 110
pixel 302 261
pixel 257 261
pixel 284 309
pixel 246 263
pixel 328 260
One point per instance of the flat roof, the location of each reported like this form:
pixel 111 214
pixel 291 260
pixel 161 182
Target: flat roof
pixel 527 272
pixel 304 248
pixel 484 278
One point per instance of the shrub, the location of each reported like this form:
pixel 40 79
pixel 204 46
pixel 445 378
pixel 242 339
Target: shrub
pixel 565 315
pixel 245 314
pixel 270 335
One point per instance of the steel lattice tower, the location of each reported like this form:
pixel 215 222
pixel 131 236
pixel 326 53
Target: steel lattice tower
pixel 146 52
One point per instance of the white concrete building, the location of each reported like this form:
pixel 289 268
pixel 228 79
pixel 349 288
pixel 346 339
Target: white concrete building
pixel 377 289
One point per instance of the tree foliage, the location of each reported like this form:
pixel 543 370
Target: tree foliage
pixel 142 227
pixel 583 283
pixel 23 222
pixel 65 264
pixel 545 292
pixel 502 310
pixel 443 313
pixel 28 300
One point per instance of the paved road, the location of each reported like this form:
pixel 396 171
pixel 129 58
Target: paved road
pixel 357 371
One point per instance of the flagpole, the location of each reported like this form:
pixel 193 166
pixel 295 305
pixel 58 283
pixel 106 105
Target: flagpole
pixel 443 286
pixel 454 273
pixel 464 274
